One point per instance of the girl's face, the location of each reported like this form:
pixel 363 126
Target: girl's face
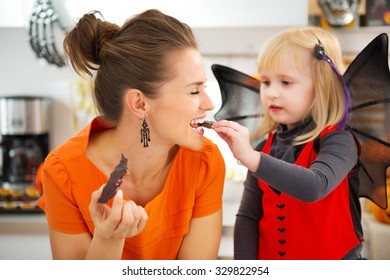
pixel 182 103
pixel 287 94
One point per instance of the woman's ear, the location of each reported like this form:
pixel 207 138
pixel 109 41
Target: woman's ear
pixel 135 101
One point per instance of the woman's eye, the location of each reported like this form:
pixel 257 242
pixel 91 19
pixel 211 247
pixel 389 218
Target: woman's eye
pixel 195 92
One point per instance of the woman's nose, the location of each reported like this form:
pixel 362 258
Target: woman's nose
pixel 206 102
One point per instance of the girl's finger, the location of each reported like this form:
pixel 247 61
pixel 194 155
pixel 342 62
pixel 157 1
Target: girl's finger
pixel 228 127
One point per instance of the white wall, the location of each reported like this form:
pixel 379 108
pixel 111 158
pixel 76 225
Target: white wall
pixel 196 13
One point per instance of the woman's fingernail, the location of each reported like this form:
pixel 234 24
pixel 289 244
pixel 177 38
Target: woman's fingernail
pixel 119 193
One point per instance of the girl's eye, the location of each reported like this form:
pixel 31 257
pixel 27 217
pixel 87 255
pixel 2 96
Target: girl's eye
pixel 266 83
pixel 286 83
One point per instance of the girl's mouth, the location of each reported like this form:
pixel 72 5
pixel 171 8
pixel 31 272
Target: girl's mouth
pixel 274 108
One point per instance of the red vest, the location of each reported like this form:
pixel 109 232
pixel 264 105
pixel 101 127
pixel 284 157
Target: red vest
pixel 292 229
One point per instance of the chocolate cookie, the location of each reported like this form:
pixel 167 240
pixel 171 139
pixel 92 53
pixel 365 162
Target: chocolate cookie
pixel 114 181
pixel 207 124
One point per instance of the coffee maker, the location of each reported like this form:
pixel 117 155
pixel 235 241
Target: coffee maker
pixel 24 132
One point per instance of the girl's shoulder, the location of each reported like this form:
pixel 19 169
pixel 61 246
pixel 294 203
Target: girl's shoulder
pixel 341 140
pixel 336 135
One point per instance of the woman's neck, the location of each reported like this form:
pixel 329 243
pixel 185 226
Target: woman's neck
pixel 148 167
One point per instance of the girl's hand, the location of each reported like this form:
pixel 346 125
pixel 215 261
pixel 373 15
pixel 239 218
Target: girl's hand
pixel 123 219
pixel 237 138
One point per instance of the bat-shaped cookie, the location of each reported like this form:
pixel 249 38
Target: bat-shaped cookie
pixel 114 181
pixel 207 124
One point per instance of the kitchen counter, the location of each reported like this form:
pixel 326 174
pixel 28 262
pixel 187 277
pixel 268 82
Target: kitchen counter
pixel 231 202
pixel 17 218
pixel 24 237
pixel 377 236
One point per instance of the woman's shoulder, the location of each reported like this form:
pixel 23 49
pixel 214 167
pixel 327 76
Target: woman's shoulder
pixel 77 144
pixel 73 147
pixel 209 153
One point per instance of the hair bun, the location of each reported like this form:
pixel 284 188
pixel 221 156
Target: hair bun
pixel 84 43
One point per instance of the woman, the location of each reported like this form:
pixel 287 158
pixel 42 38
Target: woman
pixel 150 91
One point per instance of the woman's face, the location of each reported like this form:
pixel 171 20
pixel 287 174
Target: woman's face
pixel 287 94
pixel 183 101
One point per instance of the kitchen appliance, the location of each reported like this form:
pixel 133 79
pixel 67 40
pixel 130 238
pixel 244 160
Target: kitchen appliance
pixel 24 132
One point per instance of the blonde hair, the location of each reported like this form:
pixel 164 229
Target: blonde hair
pixel 329 102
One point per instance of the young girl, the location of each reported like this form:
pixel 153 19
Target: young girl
pixel 297 202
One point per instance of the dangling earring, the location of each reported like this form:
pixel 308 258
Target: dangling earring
pixel 145 134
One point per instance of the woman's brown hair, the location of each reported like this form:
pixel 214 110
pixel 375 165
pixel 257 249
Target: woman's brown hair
pixel 131 56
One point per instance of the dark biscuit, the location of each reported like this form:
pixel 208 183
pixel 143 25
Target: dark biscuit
pixel 207 124
pixel 114 181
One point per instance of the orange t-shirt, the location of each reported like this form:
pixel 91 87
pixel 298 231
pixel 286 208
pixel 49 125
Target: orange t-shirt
pixel 193 189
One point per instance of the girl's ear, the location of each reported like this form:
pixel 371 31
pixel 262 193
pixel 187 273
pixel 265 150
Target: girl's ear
pixel 135 101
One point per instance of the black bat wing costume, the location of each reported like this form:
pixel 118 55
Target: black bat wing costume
pixel 368 81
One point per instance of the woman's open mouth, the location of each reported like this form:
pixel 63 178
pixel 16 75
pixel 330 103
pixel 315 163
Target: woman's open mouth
pixel 198 124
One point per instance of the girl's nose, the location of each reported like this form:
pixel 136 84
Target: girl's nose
pixel 271 91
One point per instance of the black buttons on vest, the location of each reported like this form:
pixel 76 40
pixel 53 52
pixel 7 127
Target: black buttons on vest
pixel 281 229
pixel 281 253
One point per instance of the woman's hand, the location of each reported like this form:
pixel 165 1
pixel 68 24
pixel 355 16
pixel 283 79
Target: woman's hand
pixel 237 138
pixel 123 219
